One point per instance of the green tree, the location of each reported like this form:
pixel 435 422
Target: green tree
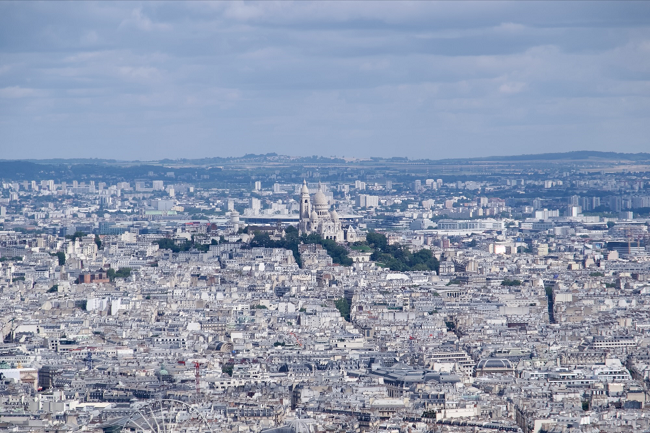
pixel 168 244
pixel 120 273
pixel 510 283
pixel 398 258
pixel 227 369
pixel 344 308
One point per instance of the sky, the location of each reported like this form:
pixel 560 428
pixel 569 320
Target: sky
pixel 423 79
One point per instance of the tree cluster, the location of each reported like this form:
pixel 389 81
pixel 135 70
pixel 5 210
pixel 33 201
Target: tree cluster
pixel 292 239
pixel 120 273
pixel 344 308
pixel 61 256
pixel 510 283
pixel 169 244
pixel 398 258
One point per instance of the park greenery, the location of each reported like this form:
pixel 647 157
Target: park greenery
pixel 398 258
pixel 510 283
pixel 292 239
pixel 61 256
pixel 344 308
pixel 394 257
pixel 169 244
pixel 120 273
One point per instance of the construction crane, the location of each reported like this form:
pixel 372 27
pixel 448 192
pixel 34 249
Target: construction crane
pixel 629 241
pixel 197 374
pixel 297 339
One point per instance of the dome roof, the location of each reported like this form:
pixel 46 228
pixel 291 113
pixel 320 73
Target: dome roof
pixel 320 199
pixel 334 215
pixel 301 426
pixel 304 189
pixel 314 215
pixel 494 363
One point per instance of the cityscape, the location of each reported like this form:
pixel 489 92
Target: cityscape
pixel 318 216
pixel 269 293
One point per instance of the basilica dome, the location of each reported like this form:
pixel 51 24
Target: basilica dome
pixel 320 199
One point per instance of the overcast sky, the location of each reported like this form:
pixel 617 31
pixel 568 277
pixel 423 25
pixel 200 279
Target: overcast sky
pixel 151 80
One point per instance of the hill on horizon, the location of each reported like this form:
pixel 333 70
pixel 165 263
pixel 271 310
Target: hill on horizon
pixel 579 155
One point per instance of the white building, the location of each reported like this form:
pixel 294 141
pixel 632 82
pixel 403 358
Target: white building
pixel 317 218
pixel 365 200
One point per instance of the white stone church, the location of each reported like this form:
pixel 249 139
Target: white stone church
pixel 318 218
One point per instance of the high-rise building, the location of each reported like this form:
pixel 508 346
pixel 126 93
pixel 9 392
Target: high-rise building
pixel 366 201
pixel 256 205
pixel 574 211
pixel 258 185
pixel 616 203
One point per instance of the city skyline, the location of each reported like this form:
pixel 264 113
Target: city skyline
pixel 325 216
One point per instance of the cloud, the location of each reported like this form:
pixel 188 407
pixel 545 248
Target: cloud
pixel 142 22
pixel 353 78
pixel 19 92
pixel 139 73
pixel 510 28
pixel 89 38
pixel 512 87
